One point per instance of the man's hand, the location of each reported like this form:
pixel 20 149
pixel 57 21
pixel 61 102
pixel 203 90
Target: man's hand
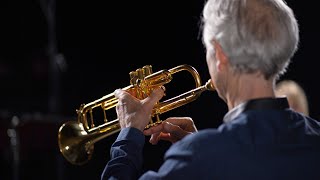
pixel 133 112
pixel 172 129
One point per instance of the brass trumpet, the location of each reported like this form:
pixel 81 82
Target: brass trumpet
pixel 76 138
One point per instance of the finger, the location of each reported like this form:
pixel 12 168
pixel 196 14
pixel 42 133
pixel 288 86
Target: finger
pixel 174 130
pixel 185 123
pixel 154 97
pixel 167 137
pixel 123 96
pixel 119 93
pixel 169 127
pixel 181 121
pixel 154 138
pixel 153 129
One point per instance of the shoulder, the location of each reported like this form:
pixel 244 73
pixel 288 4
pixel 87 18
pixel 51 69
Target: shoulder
pixel 231 133
pixel 308 124
pixel 197 149
pixel 210 140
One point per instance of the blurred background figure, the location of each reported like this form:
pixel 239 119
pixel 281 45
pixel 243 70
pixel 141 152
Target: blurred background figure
pixel 295 93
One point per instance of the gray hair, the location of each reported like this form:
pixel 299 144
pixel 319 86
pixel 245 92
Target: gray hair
pixel 256 35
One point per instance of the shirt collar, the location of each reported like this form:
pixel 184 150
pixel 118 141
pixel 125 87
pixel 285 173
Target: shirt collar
pixel 261 103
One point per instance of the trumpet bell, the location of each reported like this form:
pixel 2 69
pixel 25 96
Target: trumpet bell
pixel 74 144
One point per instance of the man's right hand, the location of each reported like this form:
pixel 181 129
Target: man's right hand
pixel 172 129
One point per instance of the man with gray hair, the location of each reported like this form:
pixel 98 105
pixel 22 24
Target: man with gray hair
pixel 249 44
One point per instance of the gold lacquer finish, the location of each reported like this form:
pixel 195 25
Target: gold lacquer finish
pixel 76 138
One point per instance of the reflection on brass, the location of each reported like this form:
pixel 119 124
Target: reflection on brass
pixel 76 138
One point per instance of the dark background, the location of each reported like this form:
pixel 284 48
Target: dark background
pixel 56 55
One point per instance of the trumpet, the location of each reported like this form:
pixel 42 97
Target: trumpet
pixel 76 138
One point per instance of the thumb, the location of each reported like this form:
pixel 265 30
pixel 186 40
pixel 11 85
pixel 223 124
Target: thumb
pixel 119 93
pixel 154 97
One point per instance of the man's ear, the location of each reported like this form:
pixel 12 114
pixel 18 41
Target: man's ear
pixel 220 56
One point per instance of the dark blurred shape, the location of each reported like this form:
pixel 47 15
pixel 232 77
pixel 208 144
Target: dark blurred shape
pixel 29 147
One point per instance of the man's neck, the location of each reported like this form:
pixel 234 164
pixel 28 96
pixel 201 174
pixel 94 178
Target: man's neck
pixel 248 86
